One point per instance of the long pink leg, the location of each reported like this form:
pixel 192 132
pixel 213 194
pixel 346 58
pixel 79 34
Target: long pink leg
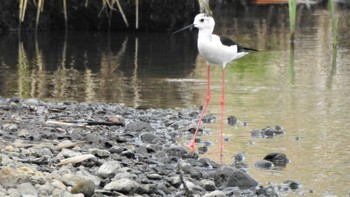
pixel 222 114
pixel 192 145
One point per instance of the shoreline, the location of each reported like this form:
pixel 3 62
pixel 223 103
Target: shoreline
pixel 100 149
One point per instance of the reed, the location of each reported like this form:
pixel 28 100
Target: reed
pixel 334 18
pixel 292 5
pixel 107 5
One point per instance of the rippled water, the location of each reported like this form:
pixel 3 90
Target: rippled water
pixel 304 89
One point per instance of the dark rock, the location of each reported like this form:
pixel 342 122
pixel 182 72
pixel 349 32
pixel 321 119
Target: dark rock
pixel 239 157
pixel 232 120
pixel 208 119
pixel 193 130
pixel 230 177
pixel 264 164
pixel 268 132
pixel 208 185
pixel 15 100
pixel 129 154
pixel 193 172
pixel 268 191
pixel 176 151
pixel 292 184
pixel 278 159
pixel 202 149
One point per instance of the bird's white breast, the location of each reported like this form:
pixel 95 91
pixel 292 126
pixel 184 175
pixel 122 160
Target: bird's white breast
pixel 211 48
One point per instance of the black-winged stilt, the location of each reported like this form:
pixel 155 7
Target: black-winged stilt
pixel 218 50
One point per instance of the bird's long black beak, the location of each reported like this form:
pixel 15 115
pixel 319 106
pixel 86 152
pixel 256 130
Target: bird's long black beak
pixel 187 27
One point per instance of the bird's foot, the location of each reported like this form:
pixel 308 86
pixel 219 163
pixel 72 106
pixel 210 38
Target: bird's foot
pixel 191 146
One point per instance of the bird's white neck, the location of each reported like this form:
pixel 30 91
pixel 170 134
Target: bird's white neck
pixel 204 34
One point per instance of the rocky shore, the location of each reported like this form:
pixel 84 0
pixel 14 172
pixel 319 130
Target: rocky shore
pixel 99 149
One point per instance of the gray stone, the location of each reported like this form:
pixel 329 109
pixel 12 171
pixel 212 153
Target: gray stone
pixel 13 193
pixel 100 153
pixel 27 190
pixel 138 126
pixel 125 186
pixel 216 193
pixel 9 177
pixel 108 169
pixel 148 137
pixel 69 153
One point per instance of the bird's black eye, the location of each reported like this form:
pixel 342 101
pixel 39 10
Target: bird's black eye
pixel 202 20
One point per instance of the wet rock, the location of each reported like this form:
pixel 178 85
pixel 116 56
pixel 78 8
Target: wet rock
pixel 278 159
pixel 193 130
pixel 264 164
pixel 86 187
pixel 268 191
pixel 27 189
pixel 230 177
pixel 208 119
pixel 108 169
pixel 202 149
pixel 292 184
pixel 267 132
pixel 238 161
pixel 232 120
pixel 256 133
pixel 239 157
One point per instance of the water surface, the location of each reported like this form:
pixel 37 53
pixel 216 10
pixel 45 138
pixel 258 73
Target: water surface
pixel 303 87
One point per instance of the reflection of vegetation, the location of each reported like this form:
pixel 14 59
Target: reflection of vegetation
pixel 292 5
pixel 23 71
pixel 334 23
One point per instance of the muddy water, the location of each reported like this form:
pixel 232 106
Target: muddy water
pixel 303 87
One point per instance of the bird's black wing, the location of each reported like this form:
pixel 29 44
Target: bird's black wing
pixel 228 42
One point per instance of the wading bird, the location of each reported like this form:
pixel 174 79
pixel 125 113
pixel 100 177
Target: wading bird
pixel 218 50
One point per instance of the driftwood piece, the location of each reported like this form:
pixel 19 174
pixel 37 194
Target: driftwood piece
pixel 85 123
pixel 75 159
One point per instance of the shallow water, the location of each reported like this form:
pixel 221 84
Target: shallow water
pixel 304 89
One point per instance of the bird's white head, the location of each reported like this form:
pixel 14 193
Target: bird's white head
pixel 204 22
